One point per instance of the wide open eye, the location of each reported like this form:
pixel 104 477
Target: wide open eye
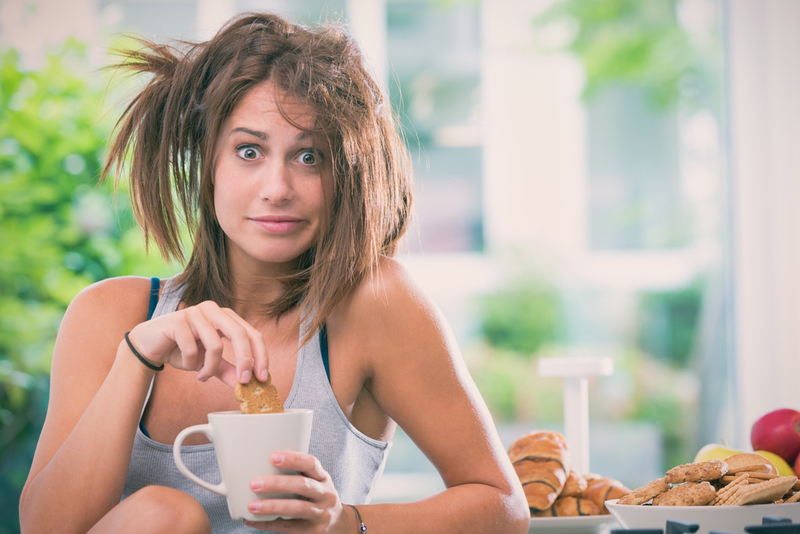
pixel 308 157
pixel 248 152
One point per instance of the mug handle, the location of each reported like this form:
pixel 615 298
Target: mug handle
pixel 219 489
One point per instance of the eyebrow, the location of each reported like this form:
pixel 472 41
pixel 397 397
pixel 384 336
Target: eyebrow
pixel 254 133
pixel 263 136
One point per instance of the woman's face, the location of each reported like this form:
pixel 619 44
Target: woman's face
pixel 268 192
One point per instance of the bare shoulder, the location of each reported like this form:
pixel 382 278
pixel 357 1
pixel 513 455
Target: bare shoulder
pixel 388 286
pixel 389 314
pixel 390 300
pixel 111 293
pixel 103 311
pixel 92 328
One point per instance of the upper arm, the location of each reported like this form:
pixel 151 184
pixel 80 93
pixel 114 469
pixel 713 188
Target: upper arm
pixel 85 348
pixel 418 377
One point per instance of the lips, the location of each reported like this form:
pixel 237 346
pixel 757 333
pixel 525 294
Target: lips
pixel 277 223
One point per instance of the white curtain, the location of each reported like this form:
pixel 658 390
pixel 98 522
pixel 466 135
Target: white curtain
pixel 764 109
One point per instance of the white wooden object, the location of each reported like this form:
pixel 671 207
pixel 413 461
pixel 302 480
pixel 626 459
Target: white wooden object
pixel 576 372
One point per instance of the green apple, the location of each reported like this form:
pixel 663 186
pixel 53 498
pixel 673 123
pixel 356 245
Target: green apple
pixel 784 469
pixel 714 451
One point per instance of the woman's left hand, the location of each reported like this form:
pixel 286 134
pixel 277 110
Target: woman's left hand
pixel 318 510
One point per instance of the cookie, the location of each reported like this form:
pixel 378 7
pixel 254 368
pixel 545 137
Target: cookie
pixel 753 468
pixel 767 491
pixel 645 493
pixel 697 472
pixel 794 497
pixel 724 494
pixel 747 459
pixel 258 397
pixel 688 494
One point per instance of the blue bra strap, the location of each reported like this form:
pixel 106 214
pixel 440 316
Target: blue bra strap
pixel 323 348
pixel 155 285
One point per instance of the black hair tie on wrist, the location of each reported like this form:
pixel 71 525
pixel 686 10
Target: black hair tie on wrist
pixel 142 359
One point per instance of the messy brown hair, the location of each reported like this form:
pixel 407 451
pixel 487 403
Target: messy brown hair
pixel 167 138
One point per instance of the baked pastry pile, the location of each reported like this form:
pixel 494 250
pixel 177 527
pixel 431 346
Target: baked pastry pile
pixel 258 397
pixel 745 478
pixel 552 487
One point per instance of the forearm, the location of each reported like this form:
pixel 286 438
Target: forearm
pixel 465 509
pixel 86 476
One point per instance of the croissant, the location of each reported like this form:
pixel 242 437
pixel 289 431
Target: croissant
pixel 541 461
pixel 600 490
pixel 570 507
pixel 574 486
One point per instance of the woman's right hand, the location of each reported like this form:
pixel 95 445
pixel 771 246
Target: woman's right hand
pixel 193 339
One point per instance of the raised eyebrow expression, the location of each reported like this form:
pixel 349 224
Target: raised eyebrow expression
pixel 302 137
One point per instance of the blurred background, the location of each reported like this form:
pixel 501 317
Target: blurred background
pixel 610 178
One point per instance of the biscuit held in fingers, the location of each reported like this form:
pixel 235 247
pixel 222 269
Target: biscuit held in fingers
pixel 258 397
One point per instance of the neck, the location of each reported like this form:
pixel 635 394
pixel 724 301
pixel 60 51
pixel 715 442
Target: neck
pixel 255 287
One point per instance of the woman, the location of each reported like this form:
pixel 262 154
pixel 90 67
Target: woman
pixel 276 147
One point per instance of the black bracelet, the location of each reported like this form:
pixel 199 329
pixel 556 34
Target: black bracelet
pixel 148 363
pixel 363 527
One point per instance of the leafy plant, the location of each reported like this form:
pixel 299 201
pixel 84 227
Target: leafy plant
pixel 669 322
pixel 59 232
pixel 522 317
pixel 638 43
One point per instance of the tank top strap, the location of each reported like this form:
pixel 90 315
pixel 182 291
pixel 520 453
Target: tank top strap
pixel 155 287
pixel 167 303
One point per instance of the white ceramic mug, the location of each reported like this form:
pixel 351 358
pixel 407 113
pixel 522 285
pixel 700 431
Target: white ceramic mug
pixel 243 445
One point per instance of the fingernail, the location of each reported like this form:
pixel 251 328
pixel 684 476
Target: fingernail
pixel 264 375
pixel 277 458
pixel 253 506
pixel 245 377
pixel 256 485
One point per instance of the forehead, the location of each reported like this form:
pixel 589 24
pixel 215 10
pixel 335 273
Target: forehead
pixel 265 102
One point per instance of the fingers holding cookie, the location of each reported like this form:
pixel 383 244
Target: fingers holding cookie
pixel 196 338
pixel 258 359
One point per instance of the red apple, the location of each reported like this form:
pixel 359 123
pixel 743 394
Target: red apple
pixel 778 432
pixel 797 466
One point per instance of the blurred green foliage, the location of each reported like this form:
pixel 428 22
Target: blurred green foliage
pixel 668 323
pixel 639 43
pixel 511 387
pixel 518 322
pixel 59 232
pixel 522 317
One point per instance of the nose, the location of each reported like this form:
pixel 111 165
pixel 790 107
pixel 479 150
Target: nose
pixel 276 182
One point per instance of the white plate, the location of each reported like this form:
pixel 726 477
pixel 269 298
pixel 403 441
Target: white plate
pixel 588 524
pixel 725 518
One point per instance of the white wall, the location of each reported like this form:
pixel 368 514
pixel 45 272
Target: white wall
pixel 764 78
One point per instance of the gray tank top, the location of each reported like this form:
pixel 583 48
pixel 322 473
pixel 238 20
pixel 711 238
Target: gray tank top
pixel 354 460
